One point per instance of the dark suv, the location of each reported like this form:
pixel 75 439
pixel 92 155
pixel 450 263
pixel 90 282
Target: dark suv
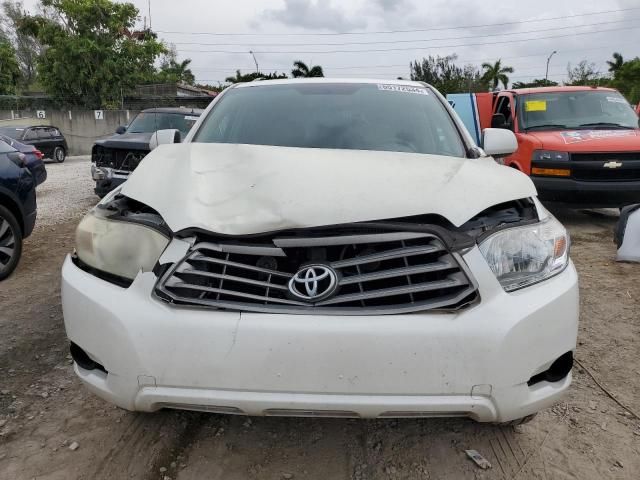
pixel 17 207
pixel 49 140
pixel 114 158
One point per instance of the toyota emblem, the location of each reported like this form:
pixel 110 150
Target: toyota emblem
pixel 313 282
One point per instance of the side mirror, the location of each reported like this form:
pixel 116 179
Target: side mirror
pixel 498 120
pixel 162 137
pixel 499 142
pixel 121 129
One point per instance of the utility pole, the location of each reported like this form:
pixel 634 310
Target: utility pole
pixel 149 15
pixel 546 75
pixel 254 60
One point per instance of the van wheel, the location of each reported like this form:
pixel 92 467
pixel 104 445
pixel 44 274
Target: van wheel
pixel 519 421
pixel 59 154
pixel 10 243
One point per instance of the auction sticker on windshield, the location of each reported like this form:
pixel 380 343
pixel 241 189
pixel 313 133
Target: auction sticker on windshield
pixel 535 106
pixel 403 89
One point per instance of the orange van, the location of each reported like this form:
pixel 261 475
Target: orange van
pixel 580 145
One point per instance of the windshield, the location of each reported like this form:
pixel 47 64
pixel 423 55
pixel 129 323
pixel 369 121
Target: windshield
pixel 343 116
pixel 150 122
pixel 575 110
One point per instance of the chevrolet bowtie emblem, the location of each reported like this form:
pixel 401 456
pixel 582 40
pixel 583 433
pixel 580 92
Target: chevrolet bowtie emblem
pixel 612 164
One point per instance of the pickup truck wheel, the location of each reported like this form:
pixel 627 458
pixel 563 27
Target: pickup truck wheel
pixel 59 154
pixel 10 243
pixel 519 421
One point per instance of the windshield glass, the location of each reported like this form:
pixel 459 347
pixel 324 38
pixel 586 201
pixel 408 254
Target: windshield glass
pixel 575 110
pixel 343 116
pixel 150 122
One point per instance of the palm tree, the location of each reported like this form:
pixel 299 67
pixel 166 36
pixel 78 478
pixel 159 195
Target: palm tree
pixel 495 74
pixel 302 70
pixel 617 62
pixel 183 72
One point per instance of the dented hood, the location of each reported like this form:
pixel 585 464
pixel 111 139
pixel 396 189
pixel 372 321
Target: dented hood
pixel 246 189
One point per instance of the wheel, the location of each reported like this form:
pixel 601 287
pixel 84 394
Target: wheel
pixel 519 421
pixel 10 243
pixel 59 154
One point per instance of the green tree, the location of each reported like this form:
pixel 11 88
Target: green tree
pixel 172 71
pixel 616 63
pixel 586 73
pixel 301 70
pixel 9 69
pixel 27 48
pixel 495 73
pixel 444 75
pixel 250 77
pixel 92 55
pixel 627 80
pixel 538 82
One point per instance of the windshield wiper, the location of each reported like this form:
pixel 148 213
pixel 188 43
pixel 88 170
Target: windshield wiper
pixel 546 125
pixel 605 125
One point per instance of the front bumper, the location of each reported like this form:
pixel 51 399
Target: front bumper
pixel 587 194
pixel 475 362
pixel 107 179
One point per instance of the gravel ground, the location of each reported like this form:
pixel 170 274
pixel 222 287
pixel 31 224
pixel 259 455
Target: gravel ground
pixel 67 192
pixel 52 427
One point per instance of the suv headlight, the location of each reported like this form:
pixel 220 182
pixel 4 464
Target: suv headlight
pixel 117 247
pixel 522 256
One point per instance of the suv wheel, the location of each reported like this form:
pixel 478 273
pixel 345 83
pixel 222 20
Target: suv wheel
pixel 59 154
pixel 10 243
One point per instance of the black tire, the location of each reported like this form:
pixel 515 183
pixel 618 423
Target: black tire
pixel 10 243
pixel 59 154
pixel 519 421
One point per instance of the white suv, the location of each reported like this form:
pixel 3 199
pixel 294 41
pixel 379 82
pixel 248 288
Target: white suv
pixel 325 248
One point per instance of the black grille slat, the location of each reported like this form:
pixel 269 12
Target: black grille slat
pixel 590 166
pixel 390 292
pixel 375 275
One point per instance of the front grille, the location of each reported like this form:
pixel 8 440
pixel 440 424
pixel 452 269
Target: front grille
pixel 118 159
pixel 622 166
pixel 605 156
pixel 380 273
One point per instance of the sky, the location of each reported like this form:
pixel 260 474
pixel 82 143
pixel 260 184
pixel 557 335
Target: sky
pixel 379 38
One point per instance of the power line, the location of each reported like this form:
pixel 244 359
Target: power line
pixel 270 34
pixel 316 52
pixel 402 41
pixel 397 65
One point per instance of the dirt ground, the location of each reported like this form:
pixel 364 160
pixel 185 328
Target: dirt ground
pixel 44 409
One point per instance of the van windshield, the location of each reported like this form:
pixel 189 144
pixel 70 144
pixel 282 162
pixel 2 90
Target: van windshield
pixel 588 109
pixel 362 116
pixel 147 122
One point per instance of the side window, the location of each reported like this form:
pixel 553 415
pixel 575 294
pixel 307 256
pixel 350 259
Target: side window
pixel 54 132
pixel 43 133
pixel 31 134
pixel 504 107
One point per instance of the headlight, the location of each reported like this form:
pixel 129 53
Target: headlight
pixel 117 247
pixel 522 256
pixel 549 155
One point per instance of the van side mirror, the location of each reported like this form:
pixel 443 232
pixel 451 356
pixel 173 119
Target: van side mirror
pixel 121 129
pixel 499 142
pixel 163 137
pixel 498 120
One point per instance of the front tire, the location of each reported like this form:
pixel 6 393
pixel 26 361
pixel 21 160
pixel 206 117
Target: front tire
pixel 10 243
pixel 59 154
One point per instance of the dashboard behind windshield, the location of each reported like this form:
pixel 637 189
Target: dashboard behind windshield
pixel 574 110
pixel 399 118
pixel 150 122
